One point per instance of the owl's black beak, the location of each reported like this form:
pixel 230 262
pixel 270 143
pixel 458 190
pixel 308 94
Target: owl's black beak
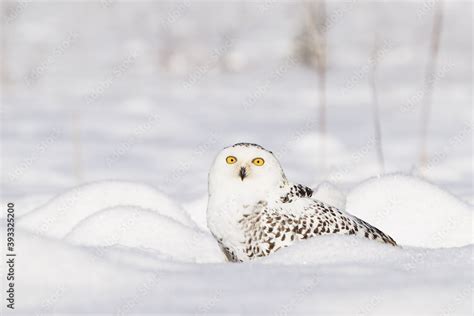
pixel 242 173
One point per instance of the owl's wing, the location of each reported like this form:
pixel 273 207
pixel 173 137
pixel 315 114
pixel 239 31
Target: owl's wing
pixel 276 224
pixel 305 216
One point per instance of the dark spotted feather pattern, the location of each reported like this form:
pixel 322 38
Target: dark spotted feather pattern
pixel 268 229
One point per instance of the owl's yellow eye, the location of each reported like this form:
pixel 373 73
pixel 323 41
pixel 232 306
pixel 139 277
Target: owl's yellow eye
pixel 258 161
pixel 231 160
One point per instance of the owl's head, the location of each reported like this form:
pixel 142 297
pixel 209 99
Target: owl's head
pixel 245 168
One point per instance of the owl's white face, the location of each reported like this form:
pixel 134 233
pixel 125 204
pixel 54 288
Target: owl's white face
pixel 245 170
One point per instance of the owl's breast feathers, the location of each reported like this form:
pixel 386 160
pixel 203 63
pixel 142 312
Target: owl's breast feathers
pixel 294 216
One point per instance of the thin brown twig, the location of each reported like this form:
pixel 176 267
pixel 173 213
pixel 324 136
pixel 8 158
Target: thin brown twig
pixel 375 104
pixel 429 81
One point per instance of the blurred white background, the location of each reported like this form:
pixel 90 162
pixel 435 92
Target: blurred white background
pixel 150 91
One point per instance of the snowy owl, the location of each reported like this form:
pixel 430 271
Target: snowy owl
pixel 253 210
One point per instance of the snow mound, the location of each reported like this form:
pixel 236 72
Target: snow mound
pixel 197 210
pixel 330 194
pixel 360 254
pixel 142 229
pixel 75 278
pixel 57 217
pixel 330 249
pixel 134 258
pixel 25 204
pixel 66 279
pixel 413 211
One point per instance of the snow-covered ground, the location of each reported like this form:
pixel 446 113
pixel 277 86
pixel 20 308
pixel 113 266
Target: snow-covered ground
pixel 74 256
pixel 111 115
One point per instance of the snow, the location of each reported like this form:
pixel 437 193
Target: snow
pixel 69 277
pixel 136 94
pixel 330 194
pixel 134 227
pixel 343 275
pixel 26 204
pixel 122 259
pixel 414 212
pixel 197 211
pixel 57 217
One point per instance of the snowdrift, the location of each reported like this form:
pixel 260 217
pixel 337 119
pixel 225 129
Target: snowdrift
pixel 26 204
pixel 197 211
pixel 310 277
pixel 57 217
pixel 414 212
pixel 58 277
pixel 338 249
pixel 330 194
pixel 143 229
pixel 119 247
